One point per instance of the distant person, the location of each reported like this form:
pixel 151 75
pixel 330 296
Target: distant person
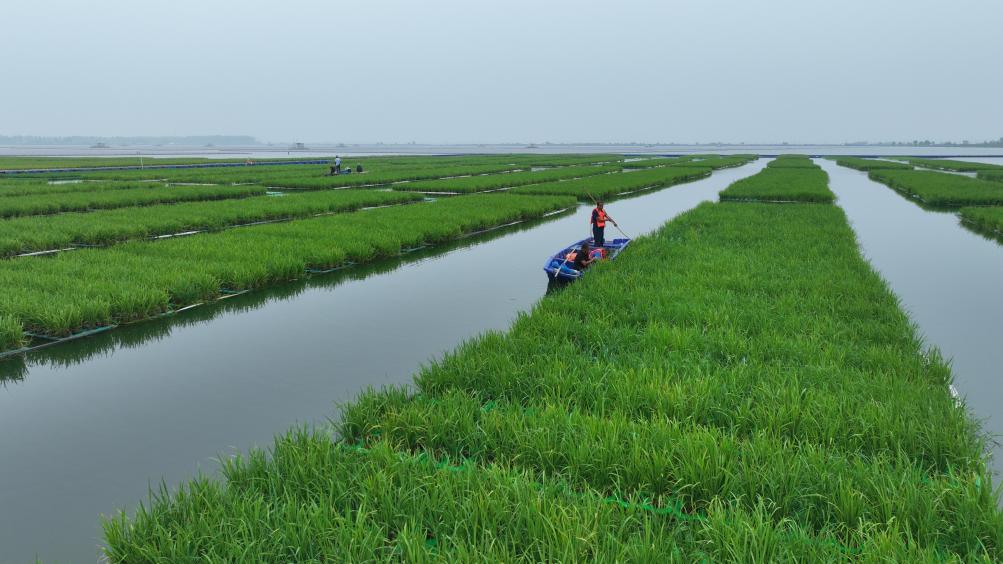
pixel 337 164
pixel 582 258
pixel 358 168
pixel 599 219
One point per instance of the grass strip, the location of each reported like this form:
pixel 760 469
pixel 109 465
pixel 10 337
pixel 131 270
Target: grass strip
pixel 679 464
pixel 871 164
pixel 715 162
pixel 43 204
pixel 385 177
pixel 940 188
pixel 140 279
pixel 991 175
pixel 315 500
pixel 609 185
pixel 786 183
pixel 742 379
pixel 953 165
pixel 791 161
pixel 34 233
pixel 989 220
pixel 481 183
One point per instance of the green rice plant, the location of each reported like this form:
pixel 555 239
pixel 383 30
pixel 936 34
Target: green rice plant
pixel 387 177
pixel 741 387
pixel 610 185
pixel 953 165
pixel 787 183
pixel 42 204
pixel 313 500
pixel 941 189
pixel 716 162
pixel 791 161
pixel 871 164
pixel 987 219
pixel 40 187
pixel 40 233
pixel 991 175
pixel 11 333
pixel 482 183
pixel 96 287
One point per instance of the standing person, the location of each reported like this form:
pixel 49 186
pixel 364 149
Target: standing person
pixel 599 219
pixel 337 164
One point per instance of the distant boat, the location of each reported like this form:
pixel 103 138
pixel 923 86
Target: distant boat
pixel 532 146
pixel 100 146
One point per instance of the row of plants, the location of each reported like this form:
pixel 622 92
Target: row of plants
pixel 871 164
pixel 9 187
pixel 610 185
pixel 951 165
pixel 940 188
pixel 137 195
pixel 35 233
pixel 89 288
pixel 742 386
pixel 783 184
pixel 988 219
pixel 993 175
pixel 481 183
pixel 28 163
pixel 791 161
pixel 715 162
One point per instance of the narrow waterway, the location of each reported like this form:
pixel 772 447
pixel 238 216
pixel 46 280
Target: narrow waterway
pixel 948 279
pixel 87 427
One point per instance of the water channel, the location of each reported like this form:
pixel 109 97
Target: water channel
pixel 89 426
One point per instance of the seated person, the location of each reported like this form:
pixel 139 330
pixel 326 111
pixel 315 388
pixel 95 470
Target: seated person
pixel 582 258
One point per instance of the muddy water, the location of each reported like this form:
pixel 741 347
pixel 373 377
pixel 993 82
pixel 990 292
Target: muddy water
pixel 948 279
pixel 86 427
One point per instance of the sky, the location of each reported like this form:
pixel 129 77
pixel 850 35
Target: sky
pixel 484 71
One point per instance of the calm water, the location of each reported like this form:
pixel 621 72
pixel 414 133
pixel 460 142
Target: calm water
pixel 948 279
pixel 88 426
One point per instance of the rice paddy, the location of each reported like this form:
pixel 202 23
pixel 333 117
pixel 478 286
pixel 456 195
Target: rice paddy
pixel 41 233
pixel 871 164
pixel 742 387
pixel 992 175
pixel 941 189
pixel 610 185
pixel 796 179
pixel 952 165
pixel 482 183
pixel 986 219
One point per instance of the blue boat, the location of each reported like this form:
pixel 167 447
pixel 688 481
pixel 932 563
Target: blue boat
pixel 558 267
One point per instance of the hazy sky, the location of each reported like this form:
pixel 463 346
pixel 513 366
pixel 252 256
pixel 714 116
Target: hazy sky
pixel 484 71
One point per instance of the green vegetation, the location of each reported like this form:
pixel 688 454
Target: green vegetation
pixel 27 163
pixel 991 175
pixel 135 280
pixel 11 334
pixel 609 185
pixel 376 178
pixel 791 161
pixel 941 189
pixel 657 161
pixel 792 182
pixel 481 183
pixel 39 187
pixel 41 204
pixel 35 233
pixel 989 220
pixel 870 164
pixel 716 162
pixel 951 165
pixel 742 387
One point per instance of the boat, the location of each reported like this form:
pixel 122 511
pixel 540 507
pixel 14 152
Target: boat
pixel 559 268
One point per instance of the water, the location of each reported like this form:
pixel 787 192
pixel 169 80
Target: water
pixel 947 278
pixel 88 426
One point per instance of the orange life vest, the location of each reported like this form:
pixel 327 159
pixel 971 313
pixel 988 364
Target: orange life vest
pixel 570 257
pixel 600 217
